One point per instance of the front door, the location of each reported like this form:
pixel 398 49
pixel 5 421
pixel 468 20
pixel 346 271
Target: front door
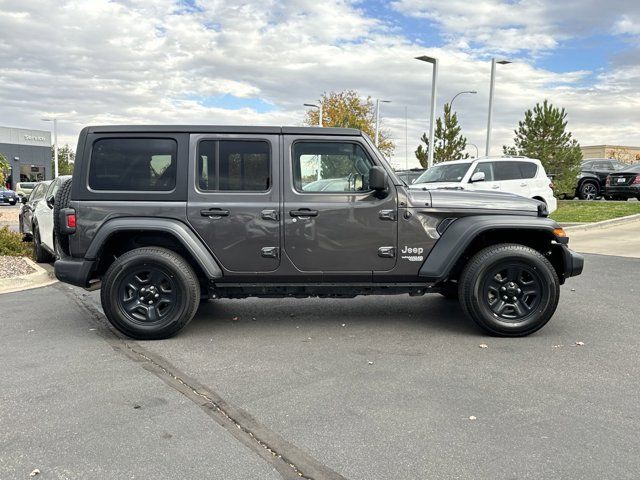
pixel 234 199
pixel 333 221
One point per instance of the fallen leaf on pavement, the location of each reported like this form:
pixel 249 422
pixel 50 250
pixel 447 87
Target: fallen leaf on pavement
pixel 35 472
pixel 370 363
pixel 235 319
pixel 579 344
pixel 483 345
pixel 472 417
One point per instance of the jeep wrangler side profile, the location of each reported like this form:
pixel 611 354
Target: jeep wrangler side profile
pixel 161 217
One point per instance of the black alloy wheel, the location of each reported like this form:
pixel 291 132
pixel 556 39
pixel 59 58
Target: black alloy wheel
pixel 150 293
pixel 513 290
pixel 509 290
pixel 588 191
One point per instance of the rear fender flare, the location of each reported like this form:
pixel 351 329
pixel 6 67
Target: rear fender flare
pixel 181 232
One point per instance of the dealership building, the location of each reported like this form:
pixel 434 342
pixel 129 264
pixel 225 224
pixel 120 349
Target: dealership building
pixel 28 153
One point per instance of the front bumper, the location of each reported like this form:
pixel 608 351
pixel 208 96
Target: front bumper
pixel 573 262
pixel 627 191
pixel 75 271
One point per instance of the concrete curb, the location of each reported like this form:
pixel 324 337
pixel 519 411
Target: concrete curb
pixel 605 223
pixel 39 278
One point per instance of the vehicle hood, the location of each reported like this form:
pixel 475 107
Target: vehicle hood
pixel 499 202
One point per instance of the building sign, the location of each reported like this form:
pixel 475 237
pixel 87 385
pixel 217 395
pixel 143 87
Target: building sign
pixel 33 138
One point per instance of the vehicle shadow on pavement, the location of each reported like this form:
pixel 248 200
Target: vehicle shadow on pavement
pixel 429 314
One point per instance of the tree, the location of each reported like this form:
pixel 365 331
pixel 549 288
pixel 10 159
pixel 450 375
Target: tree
pixel 621 154
pixel 66 159
pixel 450 143
pixel 347 109
pixel 543 135
pixel 5 168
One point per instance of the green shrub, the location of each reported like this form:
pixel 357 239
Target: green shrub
pixel 11 244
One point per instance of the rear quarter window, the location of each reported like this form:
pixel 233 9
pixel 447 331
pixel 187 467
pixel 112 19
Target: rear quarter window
pixel 133 164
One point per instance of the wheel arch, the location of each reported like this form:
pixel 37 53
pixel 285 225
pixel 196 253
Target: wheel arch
pixel 120 235
pixel 468 235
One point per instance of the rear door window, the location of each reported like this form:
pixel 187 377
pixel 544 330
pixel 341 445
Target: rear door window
pixel 133 164
pixel 506 171
pixel 528 169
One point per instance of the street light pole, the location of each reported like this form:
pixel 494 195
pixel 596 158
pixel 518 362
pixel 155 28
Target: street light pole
pixel 491 88
pixel 319 107
pixel 377 132
pixel 476 147
pixel 55 144
pixel 444 140
pixel 434 81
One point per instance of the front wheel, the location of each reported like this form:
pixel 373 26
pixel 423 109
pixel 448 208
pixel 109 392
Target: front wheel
pixel 509 290
pixel 150 293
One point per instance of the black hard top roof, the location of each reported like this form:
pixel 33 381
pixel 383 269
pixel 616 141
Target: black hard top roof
pixel 222 129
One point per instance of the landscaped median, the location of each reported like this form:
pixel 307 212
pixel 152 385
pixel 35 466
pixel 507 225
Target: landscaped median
pixel 582 211
pixel 17 270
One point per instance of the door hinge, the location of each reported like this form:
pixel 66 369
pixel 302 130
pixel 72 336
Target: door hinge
pixel 269 214
pixel 387 215
pixel 387 252
pixel 270 252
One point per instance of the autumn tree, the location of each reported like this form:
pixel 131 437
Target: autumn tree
pixel 347 109
pixel 450 144
pixel 4 169
pixel 543 135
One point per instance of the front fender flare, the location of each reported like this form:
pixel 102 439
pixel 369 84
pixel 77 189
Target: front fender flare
pixel 459 235
pixel 180 231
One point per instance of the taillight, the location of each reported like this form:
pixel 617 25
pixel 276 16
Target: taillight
pixel 71 220
pixel 608 182
pixel 636 181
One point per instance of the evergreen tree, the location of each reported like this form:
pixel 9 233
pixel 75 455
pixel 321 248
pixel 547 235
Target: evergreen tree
pixel 450 144
pixel 543 135
pixel 5 168
pixel 66 159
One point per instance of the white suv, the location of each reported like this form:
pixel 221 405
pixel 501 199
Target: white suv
pixel 519 175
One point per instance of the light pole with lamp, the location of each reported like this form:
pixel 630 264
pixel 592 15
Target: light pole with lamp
pixel 319 107
pixel 433 61
pixel 444 140
pixel 55 144
pixel 377 132
pixel 476 147
pixel 491 88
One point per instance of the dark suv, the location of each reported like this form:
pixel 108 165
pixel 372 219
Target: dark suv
pixel 162 217
pixel 593 175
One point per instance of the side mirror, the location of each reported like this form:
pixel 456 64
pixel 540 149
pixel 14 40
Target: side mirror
pixel 51 200
pixel 477 177
pixel 377 178
pixel 24 199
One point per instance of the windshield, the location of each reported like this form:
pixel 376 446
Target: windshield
pixel 631 168
pixel 452 172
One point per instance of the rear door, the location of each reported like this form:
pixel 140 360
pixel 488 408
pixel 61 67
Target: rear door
pixel 333 221
pixel 234 199
pixel 508 174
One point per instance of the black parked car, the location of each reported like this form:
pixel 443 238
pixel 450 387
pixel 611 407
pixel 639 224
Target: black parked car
pixel 593 175
pixel 624 184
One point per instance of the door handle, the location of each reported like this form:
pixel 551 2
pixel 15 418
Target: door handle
pixel 304 212
pixel 269 215
pixel 214 212
pixel 495 187
pixel 523 184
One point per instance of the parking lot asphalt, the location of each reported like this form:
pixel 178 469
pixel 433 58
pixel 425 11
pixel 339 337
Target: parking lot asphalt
pixel 368 388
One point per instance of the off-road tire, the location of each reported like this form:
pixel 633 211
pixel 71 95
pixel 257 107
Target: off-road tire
pixel 479 276
pixel 588 190
pixel 63 196
pixel 39 253
pixel 126 316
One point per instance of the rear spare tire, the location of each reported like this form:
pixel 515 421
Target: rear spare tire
pixel 63 197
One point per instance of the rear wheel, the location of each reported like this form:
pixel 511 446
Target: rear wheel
pixel 61 202
pixel 39 253
pixel 588 191
pixel 509 290
pixel 150 293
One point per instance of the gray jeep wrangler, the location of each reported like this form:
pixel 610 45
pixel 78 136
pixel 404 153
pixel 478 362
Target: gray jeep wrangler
pixel 162 217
